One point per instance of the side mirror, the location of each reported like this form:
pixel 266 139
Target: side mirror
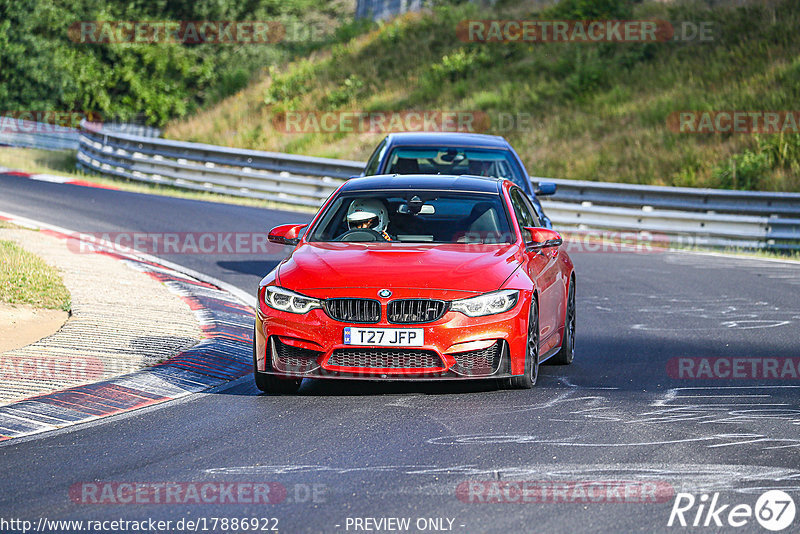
pixel 539 238
pixel 544 189
pixel 286 234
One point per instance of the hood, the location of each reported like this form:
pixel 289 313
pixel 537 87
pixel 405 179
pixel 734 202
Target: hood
pixel 450 267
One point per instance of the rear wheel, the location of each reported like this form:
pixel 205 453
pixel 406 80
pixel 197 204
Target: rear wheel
pixel 567 352
pixel 269 383
pixel 527 380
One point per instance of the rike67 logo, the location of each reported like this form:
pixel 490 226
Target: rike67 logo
pixel 774 510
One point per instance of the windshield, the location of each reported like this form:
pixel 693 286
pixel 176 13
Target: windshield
pixel 497 163
pixel 415 217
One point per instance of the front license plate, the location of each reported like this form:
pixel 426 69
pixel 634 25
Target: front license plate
pixel 384 337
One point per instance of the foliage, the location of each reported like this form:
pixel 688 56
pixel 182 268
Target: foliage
pixel 592 10
pixel 747 171
pixel 43 67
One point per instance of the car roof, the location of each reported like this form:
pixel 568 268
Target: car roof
pixel 447 139
pixel 437 182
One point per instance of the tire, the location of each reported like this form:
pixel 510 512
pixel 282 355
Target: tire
pixel 567 352
pixel 269 383
pixel 528 380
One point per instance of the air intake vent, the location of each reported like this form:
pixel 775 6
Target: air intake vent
pixel 386 358
pixel 291 359
pixel 483 362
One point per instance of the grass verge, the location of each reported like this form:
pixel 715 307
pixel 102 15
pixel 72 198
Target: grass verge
pixel 26 279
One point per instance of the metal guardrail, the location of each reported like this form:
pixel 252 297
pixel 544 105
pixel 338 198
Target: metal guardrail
pixel 132 129
pixel 294 180
pixel 678 198
pixel 705 217
pixel 23 133
pixel 715 217
pixel 30 134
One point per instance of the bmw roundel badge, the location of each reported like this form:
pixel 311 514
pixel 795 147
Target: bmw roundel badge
pixel 384 293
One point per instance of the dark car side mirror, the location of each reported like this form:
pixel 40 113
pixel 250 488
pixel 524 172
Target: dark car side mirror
pixel 544 189
pixel 540 238
pixel 286 234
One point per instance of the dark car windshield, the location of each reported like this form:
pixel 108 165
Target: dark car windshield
pixel 415 217
pixel 498 163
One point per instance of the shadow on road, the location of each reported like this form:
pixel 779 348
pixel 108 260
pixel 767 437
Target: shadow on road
pixel 256 267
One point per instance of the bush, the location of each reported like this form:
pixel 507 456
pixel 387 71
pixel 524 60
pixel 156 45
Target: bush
pixel 781 150
pixel 345 93
pixel 747 171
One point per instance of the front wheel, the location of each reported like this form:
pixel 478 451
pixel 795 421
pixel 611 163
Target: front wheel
pixel 567 352
pixel 528 380
pixel 269 383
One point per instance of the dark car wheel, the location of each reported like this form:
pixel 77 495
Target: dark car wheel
pixel 527 380
pixel 271 383
pixel 567 352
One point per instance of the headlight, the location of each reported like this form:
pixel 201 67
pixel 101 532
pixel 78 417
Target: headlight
pixel 487 304
pixel 289 301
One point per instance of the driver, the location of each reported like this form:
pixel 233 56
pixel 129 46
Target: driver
pixel 368 214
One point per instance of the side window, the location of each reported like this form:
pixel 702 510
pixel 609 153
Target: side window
pixel 525 217
pixel 532 210
pixel 375 159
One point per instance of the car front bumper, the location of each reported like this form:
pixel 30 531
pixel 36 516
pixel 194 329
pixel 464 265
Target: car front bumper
pixel 455 347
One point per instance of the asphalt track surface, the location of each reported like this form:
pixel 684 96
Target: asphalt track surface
pixel 379 450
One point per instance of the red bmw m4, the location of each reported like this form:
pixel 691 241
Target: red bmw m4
pixel 416 277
